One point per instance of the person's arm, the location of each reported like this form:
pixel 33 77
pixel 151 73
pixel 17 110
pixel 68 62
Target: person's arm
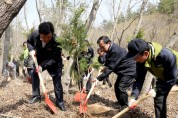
pixel 169 65
pixel 140 77
pixel 112 63
pixel 31 41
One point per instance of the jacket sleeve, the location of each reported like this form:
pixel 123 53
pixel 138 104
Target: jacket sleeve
pixel 140 77
pixel 112 62
pixel 170 66
pixel 31 41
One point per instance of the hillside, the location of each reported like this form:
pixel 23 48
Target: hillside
pixel 102 104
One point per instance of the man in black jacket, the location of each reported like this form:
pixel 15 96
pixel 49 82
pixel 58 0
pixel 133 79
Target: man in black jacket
pixel 115 62
pixel 42 43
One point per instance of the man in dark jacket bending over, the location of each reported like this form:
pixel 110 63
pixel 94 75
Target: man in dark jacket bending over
pixel 42 43
pixel 115 62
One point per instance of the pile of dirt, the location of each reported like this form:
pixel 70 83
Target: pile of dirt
pixel 14 97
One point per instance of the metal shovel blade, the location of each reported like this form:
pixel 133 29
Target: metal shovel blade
pixel 79 96
pixel 83 108
pixel 49 103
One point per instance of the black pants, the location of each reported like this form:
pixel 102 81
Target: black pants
pixel 162 91
pixel 121 85
pixel 56 76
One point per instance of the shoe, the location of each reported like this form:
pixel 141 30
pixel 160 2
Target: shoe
pixel 34 99
pixel 61 106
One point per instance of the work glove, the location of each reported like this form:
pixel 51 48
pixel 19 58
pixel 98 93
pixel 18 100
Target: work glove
pixel 152 93
pixel 39 69
pixel 131 103
pixel 32 53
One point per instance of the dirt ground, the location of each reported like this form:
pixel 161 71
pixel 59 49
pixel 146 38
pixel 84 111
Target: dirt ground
pixel 14 97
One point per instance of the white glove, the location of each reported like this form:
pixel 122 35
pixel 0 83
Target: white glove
pixel 131 101
pixel 32 52
pixel 152 93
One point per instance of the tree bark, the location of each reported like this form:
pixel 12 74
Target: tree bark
pixel 140 18
pixel 92 16
pixel 8 12
pixel 172 40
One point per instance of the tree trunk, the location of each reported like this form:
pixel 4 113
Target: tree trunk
pixel 92 16
pixel 116 22
pixel 140 18
pixel 8 12
pixel 61 17
pixel 25 16
pixel 6 46
pixel 147 83
pixel 38 11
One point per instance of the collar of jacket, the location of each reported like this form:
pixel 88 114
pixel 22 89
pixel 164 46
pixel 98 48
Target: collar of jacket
pixel 110 47
pixel 154 51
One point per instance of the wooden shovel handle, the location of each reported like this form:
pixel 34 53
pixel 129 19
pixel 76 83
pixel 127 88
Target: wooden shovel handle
pixel 143 97
pixel 39 74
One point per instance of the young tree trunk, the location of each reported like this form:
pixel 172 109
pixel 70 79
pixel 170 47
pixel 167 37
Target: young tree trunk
pixel 140 18
pixel 8 11
pixel 38 11
pixel 116 22
pixel 92 16
pixel 61 17
pixel 25 16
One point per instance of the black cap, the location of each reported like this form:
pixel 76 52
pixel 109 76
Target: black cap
pixel 135 46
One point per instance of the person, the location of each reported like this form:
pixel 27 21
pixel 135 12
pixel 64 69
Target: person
pixel 28 62
pixel 115 62
pixel 88 54
pixel 42 43
pixel 101 60
pixel 159 61
pixel 10 70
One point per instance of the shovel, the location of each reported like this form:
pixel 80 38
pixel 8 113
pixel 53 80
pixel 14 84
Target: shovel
pixel 79 96
pixel 47 100
pixel 83 104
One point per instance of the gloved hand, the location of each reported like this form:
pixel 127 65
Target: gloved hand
pixel 131 101
pixel 32 53
pixel 39 69
pixel 152 93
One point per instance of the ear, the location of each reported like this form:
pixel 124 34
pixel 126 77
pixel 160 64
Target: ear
pixel 146 53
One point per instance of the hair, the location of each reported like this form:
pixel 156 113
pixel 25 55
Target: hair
pixel 24 43
pixel 46 28
pixel 104 38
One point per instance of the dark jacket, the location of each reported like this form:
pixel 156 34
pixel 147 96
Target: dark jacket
pixel 116 62
pixel 102 59
pixel 49 55
pixel 88 55
pixel 165 60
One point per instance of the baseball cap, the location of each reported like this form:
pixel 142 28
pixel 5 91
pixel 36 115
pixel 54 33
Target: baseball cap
pixel 135 47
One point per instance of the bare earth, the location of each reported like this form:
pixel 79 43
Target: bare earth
pixel 14 97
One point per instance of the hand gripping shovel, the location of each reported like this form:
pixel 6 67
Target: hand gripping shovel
pixel 47 100
pixel 79 96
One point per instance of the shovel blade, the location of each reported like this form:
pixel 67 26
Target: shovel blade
pixel 79 96
pixel 83 108
pixel 50 103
